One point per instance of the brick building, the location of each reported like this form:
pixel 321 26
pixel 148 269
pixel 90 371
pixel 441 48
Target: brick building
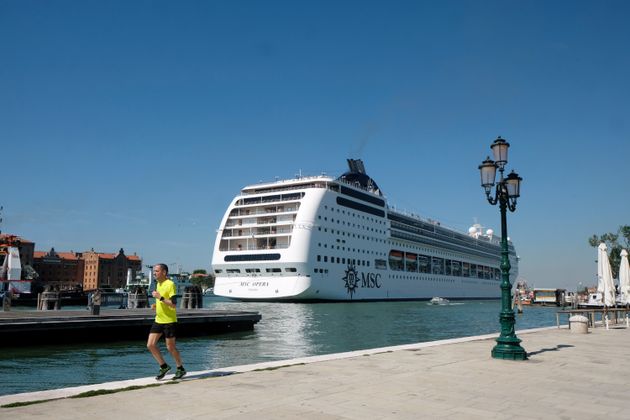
pixel 89 269
pixel 63 269
pixel 103 269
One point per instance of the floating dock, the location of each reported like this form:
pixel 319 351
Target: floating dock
pixel 21 328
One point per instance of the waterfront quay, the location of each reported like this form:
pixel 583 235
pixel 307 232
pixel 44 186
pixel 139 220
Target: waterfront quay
pixel 566 375
pixel 21 328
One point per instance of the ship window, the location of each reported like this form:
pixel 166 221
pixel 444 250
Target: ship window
pixel 437 265
pixel 466 269
pixel 218 271
pixel 411 262
pixel 233 270
pixel 457 269
pixel 273 270
pixel 338 260
pixel 396 260
pixel 319 258
pixel 343 261
pixel 325 258
pixel 447 267
pixel 473 270
pixel 290 269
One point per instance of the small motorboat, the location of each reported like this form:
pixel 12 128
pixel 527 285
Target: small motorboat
pixel 438 301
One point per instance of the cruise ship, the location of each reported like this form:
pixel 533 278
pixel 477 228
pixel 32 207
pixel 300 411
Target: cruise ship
pixel 324 239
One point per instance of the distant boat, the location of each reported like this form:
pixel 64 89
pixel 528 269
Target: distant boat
pixel 595 301
pixel 439 301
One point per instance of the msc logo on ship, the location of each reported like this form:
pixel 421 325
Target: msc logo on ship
pixel 354 280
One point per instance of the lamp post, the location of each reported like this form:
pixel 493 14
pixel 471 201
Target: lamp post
pixel 507 190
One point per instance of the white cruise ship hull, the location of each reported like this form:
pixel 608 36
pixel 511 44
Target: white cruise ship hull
pixel 312 239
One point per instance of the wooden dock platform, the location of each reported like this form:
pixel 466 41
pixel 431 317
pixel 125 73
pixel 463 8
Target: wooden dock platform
pixel 21 328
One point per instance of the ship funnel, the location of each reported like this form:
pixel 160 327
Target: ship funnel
pixel 356 166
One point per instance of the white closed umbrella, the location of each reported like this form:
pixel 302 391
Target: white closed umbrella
pixel 624 277
pixel 605 284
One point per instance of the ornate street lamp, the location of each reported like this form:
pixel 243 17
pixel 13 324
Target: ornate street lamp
pixel 507 190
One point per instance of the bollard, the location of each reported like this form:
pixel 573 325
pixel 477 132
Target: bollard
pixel 192 298
pixel 578 324
pixel 195 298
pixel 199 296
pixel 96 303
pixel 185 299
pixel 50 301
pixel 95 309
pixel 137 299
pixel 6 301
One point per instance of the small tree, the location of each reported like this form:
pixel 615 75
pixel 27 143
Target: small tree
pixel 614 247
pixel 200 277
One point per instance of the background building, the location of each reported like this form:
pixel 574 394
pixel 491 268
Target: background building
pixel 108 270
pixel 62 269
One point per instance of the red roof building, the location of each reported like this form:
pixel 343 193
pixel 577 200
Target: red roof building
pixel 108 270
pixel 89 269
pixel 63 269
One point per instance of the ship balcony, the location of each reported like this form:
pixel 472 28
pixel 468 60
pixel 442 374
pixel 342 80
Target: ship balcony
pixel 255 244
pixel 251 232
pixel 280 220
pixel 243 212
pixel 269 199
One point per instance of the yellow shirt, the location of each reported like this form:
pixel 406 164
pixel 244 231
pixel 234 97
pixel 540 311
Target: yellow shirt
pixel 164 314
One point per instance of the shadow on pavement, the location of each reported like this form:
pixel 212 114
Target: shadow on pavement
pixel 558 347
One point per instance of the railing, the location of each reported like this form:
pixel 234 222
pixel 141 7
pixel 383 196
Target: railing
pixel 590 314
pixel 238 213
pixel 252 248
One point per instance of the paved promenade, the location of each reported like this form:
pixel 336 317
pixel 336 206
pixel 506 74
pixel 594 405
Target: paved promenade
pixel 567 376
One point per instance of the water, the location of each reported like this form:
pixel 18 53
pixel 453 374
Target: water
pixel 285 331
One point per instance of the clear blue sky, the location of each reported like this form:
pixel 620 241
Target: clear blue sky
pixel 134 123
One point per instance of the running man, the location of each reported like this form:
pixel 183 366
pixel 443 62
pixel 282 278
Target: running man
pixel 165 322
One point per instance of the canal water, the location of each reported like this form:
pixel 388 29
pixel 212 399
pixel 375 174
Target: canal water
pixel 287 330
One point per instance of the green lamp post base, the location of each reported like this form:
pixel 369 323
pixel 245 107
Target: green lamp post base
pixel 509 351
pixel 508 344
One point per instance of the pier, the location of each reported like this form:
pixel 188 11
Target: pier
pixel 576 376
pixel 20 328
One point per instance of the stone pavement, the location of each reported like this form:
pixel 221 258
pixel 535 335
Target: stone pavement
pixel 567 376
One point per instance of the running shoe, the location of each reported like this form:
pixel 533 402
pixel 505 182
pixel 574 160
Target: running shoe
pixel 163 371
pixel 179 373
